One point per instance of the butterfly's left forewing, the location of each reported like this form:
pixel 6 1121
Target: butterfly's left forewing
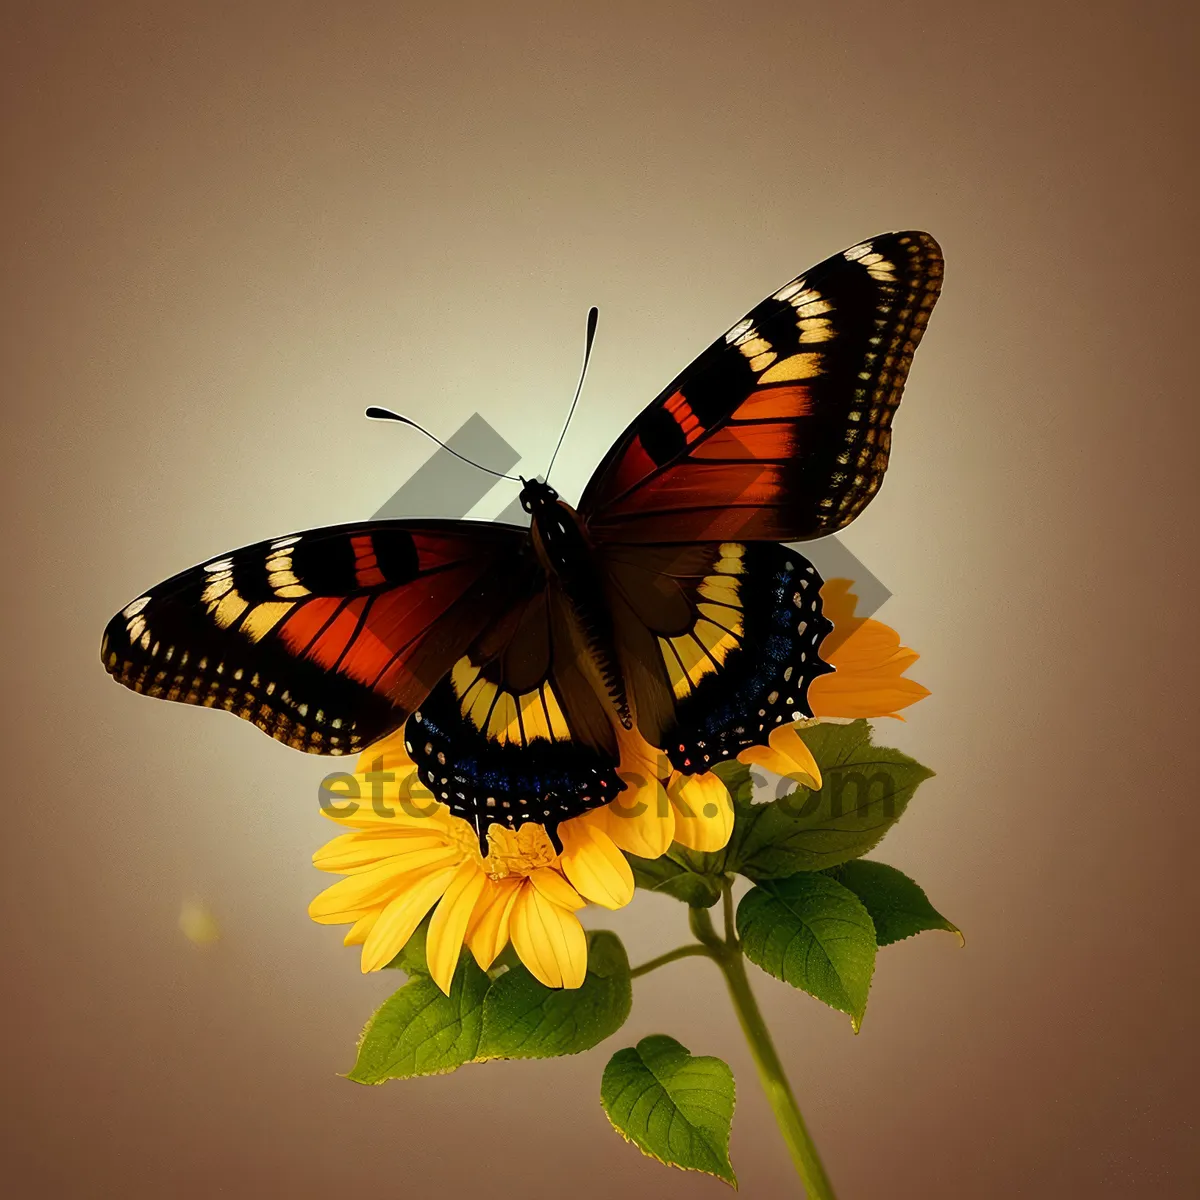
pixel 324 640
pixel 780 430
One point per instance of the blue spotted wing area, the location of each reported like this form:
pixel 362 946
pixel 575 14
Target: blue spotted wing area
pixel 720 643
pixel 325 640
pixel 781 429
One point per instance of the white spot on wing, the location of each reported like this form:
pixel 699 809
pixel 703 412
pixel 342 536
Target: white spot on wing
pixel 787 292
pixel 739 330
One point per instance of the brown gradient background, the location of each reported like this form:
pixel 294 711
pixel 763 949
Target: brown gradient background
pixel 227 228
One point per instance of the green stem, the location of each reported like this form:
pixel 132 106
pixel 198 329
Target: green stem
pixel 701 925
pixel 687 951
pixel 774 1081
pixel 728 956
pixel 729 918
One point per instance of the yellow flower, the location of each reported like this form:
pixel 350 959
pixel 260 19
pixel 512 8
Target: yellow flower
pixel 867 681
pixel 787 755
pixel 868 663
pixel 661 805
pixel 406 854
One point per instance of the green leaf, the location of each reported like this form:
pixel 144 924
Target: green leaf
pixel 421 1031
pixel 676 878
pixel 865 790
pixel 672 1106
pixel 736 778
pixel 898 906
pixel 524 1019
pixel 813 933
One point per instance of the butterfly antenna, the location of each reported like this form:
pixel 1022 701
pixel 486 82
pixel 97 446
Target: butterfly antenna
pixel 386 414
pixel 592 317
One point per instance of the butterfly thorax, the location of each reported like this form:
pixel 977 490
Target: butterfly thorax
pixel 567 556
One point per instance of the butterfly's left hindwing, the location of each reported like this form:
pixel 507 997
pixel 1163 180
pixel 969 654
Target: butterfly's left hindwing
pixel 324 640
pixel 721 642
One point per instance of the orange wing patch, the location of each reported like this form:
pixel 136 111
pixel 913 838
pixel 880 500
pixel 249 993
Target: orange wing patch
pixel 366 564
pixel 687 420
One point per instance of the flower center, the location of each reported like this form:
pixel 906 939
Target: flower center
pixel 518 852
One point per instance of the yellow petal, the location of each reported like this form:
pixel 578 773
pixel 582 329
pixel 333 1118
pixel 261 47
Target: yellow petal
pixel 847 696
pixel 549 940
pixel 901 661
pixel 487 933
pixel 787 755
pixel 869 663
pixel 357 933
pixel 593 863
pixel 703 811
pixel 449 923
pixel 340 916
pixel 838 603
pixel 387 790
pixel 398 920
pixel 389 751
pixel 556 889
pixel 640 820
pixel 785 740
pixel 391 806
pixel 377 885
pixel 352 852
pixel 338 904
pixel 870 643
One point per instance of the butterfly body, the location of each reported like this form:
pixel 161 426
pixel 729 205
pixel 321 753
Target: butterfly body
pixel 568 556
pixel 662 612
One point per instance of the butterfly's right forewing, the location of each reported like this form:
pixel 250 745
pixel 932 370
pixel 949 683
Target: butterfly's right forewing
pixel 325 640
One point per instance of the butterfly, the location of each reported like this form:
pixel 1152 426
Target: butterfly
pixel 519 659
